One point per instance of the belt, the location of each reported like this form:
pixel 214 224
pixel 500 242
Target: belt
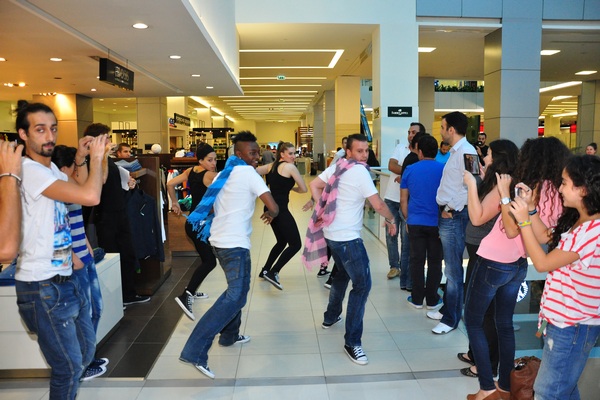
pixel 450 211
pixel 60 278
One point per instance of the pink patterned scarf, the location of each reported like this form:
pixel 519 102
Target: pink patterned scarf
pixel 315 247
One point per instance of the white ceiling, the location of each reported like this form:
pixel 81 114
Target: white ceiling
pixel 79 31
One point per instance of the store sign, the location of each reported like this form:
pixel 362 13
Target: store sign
pixel 115 74
pixel 395 111
pixel 181 119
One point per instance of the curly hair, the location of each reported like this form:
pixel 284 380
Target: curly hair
pixel 504 161
pixel 584 171
pixel 542 160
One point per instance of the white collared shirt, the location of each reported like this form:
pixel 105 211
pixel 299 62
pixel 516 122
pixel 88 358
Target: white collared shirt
pixel 452 190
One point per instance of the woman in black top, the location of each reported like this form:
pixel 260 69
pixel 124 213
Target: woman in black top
pixel 199 178
pixel 283 176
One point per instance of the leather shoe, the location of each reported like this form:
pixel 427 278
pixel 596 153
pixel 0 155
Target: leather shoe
pixel 393 272
pixel 463 357
pixel 469 372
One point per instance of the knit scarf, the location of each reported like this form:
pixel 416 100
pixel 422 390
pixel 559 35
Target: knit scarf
pixel 201 218
pixel 315 247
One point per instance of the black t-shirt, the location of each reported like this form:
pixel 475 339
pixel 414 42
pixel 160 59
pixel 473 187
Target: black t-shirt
pixel 409 160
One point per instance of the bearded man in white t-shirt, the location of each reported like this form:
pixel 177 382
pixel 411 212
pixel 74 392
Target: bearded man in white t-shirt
pixel 343 238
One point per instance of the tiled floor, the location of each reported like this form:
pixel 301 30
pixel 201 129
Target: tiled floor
pixel 290 356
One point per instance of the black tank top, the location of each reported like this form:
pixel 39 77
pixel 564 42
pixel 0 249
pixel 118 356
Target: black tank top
pixel 280 187
pixel 197 186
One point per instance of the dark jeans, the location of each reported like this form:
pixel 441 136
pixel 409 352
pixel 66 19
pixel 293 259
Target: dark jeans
pixel 114 236
pixel 425 244
pixel 497 281
pixel 489 324
pixel 58 313
pixel 226 313
pixel 353 264
pixel 288 241
pixel 207 257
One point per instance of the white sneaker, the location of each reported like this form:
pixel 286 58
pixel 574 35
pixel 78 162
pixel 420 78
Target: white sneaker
pixel 442 328
pixel 435 315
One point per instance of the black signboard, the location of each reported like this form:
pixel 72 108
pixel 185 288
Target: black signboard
pixel 115 74
pixel 181 119
pixel 395 111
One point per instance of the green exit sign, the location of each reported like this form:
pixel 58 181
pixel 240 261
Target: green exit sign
pixel 281 77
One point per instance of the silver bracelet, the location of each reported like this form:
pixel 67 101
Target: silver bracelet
pixel 17 177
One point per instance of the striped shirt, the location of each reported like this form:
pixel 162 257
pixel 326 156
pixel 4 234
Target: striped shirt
pixel 78 233
pixel 572 293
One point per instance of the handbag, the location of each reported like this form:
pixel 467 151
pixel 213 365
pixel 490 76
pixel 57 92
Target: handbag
pixel 523 376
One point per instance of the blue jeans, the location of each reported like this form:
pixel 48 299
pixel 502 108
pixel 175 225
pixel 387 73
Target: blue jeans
pixel 564 347
pixel 353 264
pixel 58 313
pixel 400 259
pixel 90 287
pixel 225 315
pixel 452 235
pixel 499 282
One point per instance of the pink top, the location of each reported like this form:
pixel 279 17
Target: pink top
pixel 497 247
pixel 572 293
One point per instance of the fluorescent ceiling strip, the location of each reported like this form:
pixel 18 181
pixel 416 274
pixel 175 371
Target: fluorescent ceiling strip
pixel 287 78
pixel 549 52
pixel 336 57
pixel 282 91
pixel 556 98
pixel 464 110
pixel 425 49
pixel 569 114
pixel 266 96
pixel 281 85
pixel 559 86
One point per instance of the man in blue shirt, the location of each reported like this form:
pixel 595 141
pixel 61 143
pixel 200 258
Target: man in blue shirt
pixel 443 153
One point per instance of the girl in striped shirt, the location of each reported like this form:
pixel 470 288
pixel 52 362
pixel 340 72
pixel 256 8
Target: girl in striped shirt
pixel 570 307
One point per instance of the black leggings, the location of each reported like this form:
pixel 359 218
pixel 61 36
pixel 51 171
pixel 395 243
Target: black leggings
pixel 207 257
pixel 288 241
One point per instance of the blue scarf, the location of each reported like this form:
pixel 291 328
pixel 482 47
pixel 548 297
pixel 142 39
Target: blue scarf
pixel 201 218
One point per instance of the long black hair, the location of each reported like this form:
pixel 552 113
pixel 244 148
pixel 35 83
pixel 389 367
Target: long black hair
pixel 504 161
pixel 63 156
pixel 584 171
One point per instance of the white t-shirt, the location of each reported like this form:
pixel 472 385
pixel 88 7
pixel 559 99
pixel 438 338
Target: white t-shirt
pixel 46 245
pixel 354 187
pixel 392 191
pixel 234 208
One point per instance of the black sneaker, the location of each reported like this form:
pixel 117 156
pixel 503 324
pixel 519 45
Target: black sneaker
pixel 93 372
pixel 322 272
pixel 356 354
pixel 185 301
pixel 241 339
pixel 273 279
pixel 205 370
pixel 327 284
pixel 137 299
pixel 262 273
pixel 99 362
pixel 200 295
pixel 327 325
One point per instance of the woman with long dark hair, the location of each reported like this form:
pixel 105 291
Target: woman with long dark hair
pixel 502 263
pixel 199 178
pixel 570 308
pixel 283 177
pixel 483 210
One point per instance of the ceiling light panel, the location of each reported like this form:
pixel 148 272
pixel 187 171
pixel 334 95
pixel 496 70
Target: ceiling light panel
pixel 290 59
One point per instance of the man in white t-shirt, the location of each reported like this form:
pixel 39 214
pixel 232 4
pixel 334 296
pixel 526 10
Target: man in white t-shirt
pixel 49 298
pixel 399 260
pixel 230 238
pixel 343 238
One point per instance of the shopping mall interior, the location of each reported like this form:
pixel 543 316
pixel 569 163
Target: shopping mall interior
pixel 303 72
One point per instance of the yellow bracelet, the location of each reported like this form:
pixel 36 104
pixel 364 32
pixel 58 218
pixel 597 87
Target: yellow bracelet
pixel 524 223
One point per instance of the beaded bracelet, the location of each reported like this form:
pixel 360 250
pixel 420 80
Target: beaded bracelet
pixel 82 164
pixel 524 223
pixel 17 177
pixel 533 212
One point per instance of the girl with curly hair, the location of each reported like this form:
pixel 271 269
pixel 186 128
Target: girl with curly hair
pixel 570 308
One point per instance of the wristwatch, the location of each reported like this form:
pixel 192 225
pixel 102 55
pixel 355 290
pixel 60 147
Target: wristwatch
pixel 505 200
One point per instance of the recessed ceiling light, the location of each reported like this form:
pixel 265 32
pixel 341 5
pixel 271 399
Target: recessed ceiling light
pixel 56 59
pixel 101 99
pixel 140 25
pixel 195 75
pixel 21 84
pixel 210 87
pixel 426 49
pixel 174 57
pixel 585 72
pixel 93 90
pixel 549 52
pixel 2 59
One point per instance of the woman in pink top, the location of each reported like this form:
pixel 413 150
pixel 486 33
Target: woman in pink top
pixel 570 308
pixel 502 265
